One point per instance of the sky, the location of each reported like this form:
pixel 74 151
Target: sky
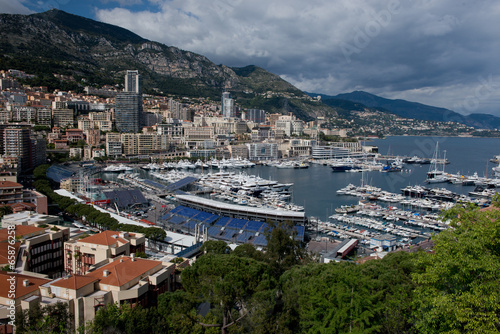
pixel 439 52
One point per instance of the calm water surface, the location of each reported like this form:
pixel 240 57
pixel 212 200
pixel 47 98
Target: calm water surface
pixel 316 187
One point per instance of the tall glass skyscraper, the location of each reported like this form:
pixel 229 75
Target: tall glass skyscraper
pixel 227 105
pixel 128 104
pixel 133 82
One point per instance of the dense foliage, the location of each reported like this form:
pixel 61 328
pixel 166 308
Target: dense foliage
pixel 52 318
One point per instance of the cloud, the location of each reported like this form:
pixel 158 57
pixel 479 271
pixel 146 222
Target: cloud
pixel 123 3
pixel 13 7
pixel 427 50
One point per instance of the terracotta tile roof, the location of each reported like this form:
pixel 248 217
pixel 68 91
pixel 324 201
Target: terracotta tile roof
pixel 19 206
pixel 104 238
pixel 122 272
pixel 20 289
pixel 10 184
pixel 21 230
pixel 489 208
pixel 74 282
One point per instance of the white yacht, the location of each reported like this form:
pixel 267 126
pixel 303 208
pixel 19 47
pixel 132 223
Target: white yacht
pixel 435 175
pixel 117 168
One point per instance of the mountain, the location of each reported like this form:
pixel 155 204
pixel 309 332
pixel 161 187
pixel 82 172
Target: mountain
pixel 96 53
pixel 413 110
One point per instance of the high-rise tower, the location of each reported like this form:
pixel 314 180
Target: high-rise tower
pixel 133 82
pixel 227 105
pixel 128 104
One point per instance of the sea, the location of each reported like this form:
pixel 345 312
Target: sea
pixel 315 187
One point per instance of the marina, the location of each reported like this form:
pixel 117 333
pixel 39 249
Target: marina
pixel 337 205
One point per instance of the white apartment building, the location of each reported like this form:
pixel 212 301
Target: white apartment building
pixel 262 151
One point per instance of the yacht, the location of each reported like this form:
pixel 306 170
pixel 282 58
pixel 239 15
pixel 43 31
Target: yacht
pixel 395 166
pixel 435 175
pixel 117 168
pixel 343 165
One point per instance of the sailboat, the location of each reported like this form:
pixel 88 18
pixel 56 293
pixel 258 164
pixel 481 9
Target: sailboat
pixel 435 175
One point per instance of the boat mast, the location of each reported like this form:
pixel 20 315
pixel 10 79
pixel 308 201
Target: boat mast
pixel 444 160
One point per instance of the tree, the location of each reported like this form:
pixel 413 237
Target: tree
pixel 52 318
pixel 283 251
pixel 248 250
pixel 178 312
pixel 125 319
pixel 227 283
pixel 215 247
pixel 5 210
pixel 458 290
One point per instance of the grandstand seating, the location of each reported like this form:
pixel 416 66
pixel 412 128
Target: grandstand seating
pixel 190 225
pixel 214 231
pixel 177 220
pixel 229 234
pixel 260 241
pixel 253 225
pixel 187 212
pixel 300 232
pixel 237 223
pixel 188 218
pixel 244 237
pixel 222 222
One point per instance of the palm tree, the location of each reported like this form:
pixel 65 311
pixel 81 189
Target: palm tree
pixel 5 210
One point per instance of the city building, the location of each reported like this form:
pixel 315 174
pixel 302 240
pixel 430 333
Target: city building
pixel 385 242
pixel 172 128
pixel 289 126
pixel 38 200
pixel 38 151
pixel 76 152
pixel 10 192
pixel 238 151
pixel 44 116
pixel 25 290
pixel 143 144
pixel 81 254
pixel 74 135
pixel 298 147
pixel 124 279
pixel 255 115
pixel 133 82
pixel 195 137
pixel 128 112
pixel 330 152
pixel 114 146
pixel 262 151
pixel 42 247
pixel 227 105
pixel 16 142
pixel 63 117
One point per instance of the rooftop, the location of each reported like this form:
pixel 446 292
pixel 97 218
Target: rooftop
pixel 123 270
pixel 21 230
pixel 106 238
pixel 239 208
pixel 74 282
pixel 28 217
pixel 20 289
pixel 10 184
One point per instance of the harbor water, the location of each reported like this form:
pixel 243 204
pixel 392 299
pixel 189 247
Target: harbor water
pixel 316 187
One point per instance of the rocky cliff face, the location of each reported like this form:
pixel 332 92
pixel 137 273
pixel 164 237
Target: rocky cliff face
pixel 59 36
pixel 58 42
